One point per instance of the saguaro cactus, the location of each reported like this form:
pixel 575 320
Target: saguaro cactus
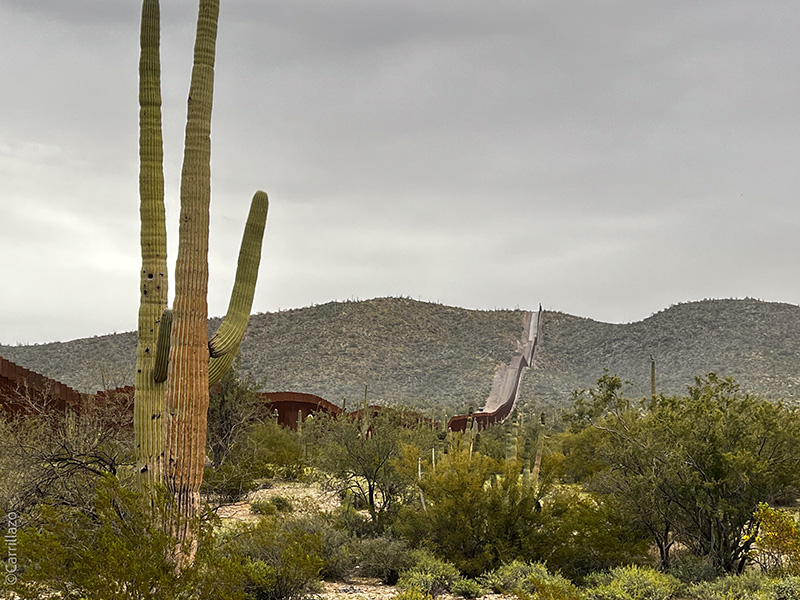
pixel 149 393
pixel 170 416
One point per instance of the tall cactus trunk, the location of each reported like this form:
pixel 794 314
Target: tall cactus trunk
pixel 187 379
pixel 537 463
pixel 172 396
pixel 149 393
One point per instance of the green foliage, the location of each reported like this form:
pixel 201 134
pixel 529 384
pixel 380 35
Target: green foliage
pixel 478 513
pixel 692 469
pixel 362 458
pixel 384 558
pixel 530 581
pixel 787 588
pixel 583 533
pixel 339 550
pixel 429 574
pixel 481 514
pixel 509 577
pixel 747 586
pixel 274 559
pixel 271 506
pixel 633 583
pixel 340 553
pixel 413 594
pixel 115 550
pixel 234 407
pixel 264 451
pixel 778 541
pixel 466 588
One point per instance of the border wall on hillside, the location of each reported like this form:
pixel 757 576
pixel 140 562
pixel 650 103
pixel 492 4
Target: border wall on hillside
pixel 507 379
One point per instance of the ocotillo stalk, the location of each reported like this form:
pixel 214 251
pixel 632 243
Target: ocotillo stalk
pixel 187 380
pixel 473 434
pixel 537 465
pixel 526 461
pixel 652 377
pixel 149 393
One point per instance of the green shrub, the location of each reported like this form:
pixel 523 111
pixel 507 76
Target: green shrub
pixel 748 586
pixel 531 581
pixel 265 451
pixel 339 549
pixel 270 506
pixel 348 519
pixel 633 583
pixel 466 588
pixel 506 579
pixel 113 549
pixel 429 574
pixel 692 569
pixel 384 558
pixel 787 588
pixel 279 559
pixel 263 507
pixel 413 594
pixel 281 503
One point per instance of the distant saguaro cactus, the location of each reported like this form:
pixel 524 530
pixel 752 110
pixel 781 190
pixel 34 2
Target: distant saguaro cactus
pixel 170 412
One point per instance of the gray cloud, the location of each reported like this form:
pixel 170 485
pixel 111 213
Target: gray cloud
pixel 605 159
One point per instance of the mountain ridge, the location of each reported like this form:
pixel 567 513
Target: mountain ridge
pixel 441 357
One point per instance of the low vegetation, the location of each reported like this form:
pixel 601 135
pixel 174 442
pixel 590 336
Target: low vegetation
pixel 662 498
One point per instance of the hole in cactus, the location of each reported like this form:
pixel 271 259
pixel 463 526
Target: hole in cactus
pixel 149 275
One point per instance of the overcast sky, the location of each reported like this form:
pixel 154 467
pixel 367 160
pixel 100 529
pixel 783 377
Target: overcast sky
pixel 607 159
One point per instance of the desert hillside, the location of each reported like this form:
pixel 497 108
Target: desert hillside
pixel 430 355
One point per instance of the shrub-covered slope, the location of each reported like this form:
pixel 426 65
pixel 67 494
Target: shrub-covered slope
pixel 757 343
pixel 432 355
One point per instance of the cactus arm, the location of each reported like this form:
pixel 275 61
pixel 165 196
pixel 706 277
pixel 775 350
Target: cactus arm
pixel 227 338
pixel 187 380
pixel 149 394
pixel 162 347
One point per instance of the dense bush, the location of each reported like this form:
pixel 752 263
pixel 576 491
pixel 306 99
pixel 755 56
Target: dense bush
pixel 114 549
pixel 384 558
pixel 264 451
pixel 633 583
pixel 530 581
pixel 481 514
pixel 478 512
pixel 748 586
pixel 467 588
pixel 689 470
pixel 275 559
pixel 429 575
pixel 787 588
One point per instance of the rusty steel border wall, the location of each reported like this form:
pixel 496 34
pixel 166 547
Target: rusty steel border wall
pixel 23 390
pixel 507 379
